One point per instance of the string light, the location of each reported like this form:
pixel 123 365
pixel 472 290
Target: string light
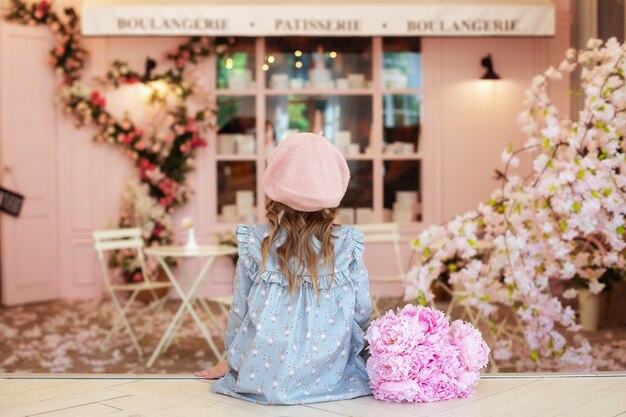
pixel 298 64
pixel 298 53
pixel 332 54
pixel 229 63
pixel 270 59
pixel 265 67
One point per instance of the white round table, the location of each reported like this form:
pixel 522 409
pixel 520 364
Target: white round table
pixel 189 297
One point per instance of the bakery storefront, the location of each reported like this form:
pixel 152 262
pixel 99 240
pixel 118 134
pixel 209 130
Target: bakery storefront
pixel 421 97
pixel 363 73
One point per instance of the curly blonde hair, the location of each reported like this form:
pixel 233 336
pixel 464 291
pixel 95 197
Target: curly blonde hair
pixel 296 255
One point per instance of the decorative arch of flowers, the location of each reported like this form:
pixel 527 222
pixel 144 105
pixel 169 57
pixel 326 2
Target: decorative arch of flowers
pixel 563 222
pixel 163 152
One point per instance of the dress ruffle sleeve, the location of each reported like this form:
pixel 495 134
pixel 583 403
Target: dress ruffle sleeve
pixel 244 278
pixel 360 280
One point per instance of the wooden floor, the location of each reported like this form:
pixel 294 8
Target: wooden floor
pixel 153 396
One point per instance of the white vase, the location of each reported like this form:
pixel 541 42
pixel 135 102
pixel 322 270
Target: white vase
pixel 589 309
pixel 191 244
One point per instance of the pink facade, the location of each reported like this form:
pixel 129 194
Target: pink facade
pixel 77 184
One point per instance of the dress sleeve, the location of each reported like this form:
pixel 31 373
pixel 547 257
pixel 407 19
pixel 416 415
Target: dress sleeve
pixel 241 285
pixel 359 277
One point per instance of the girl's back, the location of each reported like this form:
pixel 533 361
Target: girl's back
pixel 299 346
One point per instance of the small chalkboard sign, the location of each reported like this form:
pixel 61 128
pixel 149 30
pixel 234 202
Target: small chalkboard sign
pixel 10 202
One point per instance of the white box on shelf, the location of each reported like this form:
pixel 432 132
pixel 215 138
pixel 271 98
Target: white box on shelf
pixel 244 199
pixel 244 214
pixel 226 144
pixel 229 213
pixel 389 149
pixel 249 218
pixel 296 83
pixel 394 78
pixel 239 78
pixel 342 84
pixel 364 215
pixel 354 149
pixel 407 198
pixel 246 144
pixel 356 80
pixel 326 84
pixel 402 214
pixel 408 148
pixel 279 81
pixel 343 137
pixel 320 77
pixel 345 216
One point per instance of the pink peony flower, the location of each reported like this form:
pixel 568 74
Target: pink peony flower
pixel 440 387
pixel 409 310
pixel 402 391
pixel 472 347
pixel 432 323
pixel 389 367
pixel 418 357
pixel 393 334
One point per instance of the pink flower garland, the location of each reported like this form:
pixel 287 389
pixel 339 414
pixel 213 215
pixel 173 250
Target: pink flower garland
pixel 417 356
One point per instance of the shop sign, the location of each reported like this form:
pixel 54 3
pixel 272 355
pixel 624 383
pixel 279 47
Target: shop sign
pixel 210 19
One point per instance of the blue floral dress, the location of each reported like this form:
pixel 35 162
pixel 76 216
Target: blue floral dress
pixel 294 348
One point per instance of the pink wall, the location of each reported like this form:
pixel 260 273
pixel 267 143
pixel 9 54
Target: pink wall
pixel 92 176
pixel 465 139
pixel 472 121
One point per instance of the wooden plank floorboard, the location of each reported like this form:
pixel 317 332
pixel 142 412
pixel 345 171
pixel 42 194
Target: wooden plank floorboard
pixel 88 410
pixel 204 389
pixel 185 396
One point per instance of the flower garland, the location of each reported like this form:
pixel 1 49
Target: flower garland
pixel 163 154
pixel 565 220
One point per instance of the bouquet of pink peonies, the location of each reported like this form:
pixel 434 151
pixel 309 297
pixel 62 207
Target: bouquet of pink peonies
pixel 417 356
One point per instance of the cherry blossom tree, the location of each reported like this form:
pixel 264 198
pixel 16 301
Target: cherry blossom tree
pixel 564 220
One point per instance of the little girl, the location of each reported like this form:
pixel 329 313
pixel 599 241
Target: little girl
pixel 301 301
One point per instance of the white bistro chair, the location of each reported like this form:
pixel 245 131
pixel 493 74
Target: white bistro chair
pixel 381 233
pixel 112 240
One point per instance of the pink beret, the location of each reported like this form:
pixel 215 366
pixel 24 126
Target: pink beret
pixel 307 173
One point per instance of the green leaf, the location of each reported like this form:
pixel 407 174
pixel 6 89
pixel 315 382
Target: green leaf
pixel 563 225
pixel 427 252
pixel 576 207
pixel 453 267
pixel 546 143
pixel 595 193
pixel 607 192
pixel 581 174
pixel 471 242
pixel 534 355
pixel 416 243
pixel 421 299
pixel 620 230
